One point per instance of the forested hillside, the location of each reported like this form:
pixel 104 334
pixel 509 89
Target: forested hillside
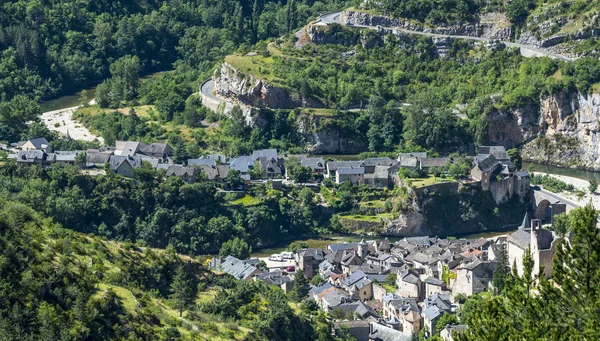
pixel 56 284
pixel 55 47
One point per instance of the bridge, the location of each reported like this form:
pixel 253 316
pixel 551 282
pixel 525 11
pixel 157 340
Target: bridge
pixel 548 204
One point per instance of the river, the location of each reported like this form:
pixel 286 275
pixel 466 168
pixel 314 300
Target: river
pixel 574 173
pixel 323 240
pixel 70 101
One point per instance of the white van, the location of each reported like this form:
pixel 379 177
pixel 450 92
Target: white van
pixel 276 258
pixel 287 255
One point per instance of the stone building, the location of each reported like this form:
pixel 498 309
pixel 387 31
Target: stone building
pixel 540 242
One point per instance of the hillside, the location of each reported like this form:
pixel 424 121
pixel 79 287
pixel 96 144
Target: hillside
pixel 56 284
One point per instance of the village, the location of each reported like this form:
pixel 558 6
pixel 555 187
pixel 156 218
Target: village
pixel 382 291
pixel 375 289
pixel 491 168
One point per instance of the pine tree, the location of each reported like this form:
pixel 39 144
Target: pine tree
pixel 181 289
pixel 300 286
pixel 501 271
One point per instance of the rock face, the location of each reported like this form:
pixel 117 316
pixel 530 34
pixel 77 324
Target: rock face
pixel 411 223
pixel 324 136
pixel 249 90
pixel 563 129
pixel 492 25
pixel 572 130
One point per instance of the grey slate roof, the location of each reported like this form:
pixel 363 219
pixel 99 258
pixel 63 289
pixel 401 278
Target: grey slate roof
pixel 237 268
pixel 377 161
pixel 96 158
pixel 156 148
pixel 499 152
pixel 359 308
pixel 433 312
pixel 418 155
pixel 267 153
pixel 131 147
pixel 242 164
pixel 30 156
pixel 486 162
pixel 353 278
pixel 164 166
pixel 314 163
pixel 334 165
pixel 409 162
pixel 39 143
pixel 341 246
pixel 116 161
pixel 435 161
pixel 434 281
pixel 442 301
pixel 520 238
pixel 66 156
pixel 212 172
pixel 383 333
pixel 201 162
pixel 351 170
pixel 179 170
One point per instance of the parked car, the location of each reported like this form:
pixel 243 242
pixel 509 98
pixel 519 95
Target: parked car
pixel 287 255
pixel 276 258
pixel 290 268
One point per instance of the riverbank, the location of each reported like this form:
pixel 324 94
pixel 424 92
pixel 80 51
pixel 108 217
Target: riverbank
pixel 62 122
pixel 578 184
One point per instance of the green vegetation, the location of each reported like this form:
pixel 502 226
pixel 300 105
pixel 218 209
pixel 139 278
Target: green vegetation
pixel 374 219
pixel 551 183
pixel 562 309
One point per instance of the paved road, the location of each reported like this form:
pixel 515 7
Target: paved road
pixel 335 18
pixel 207 90
pixel 557 197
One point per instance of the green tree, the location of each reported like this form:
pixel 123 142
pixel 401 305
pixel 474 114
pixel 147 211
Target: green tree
pixel 234 179
pixel 182 292
pixel 235 247
pixel 445 320
pixel 300 174
pixel 515 157
pixel 317 280
pixel 501 271
pixel 306 196
pixel 593 186
pixel 299 286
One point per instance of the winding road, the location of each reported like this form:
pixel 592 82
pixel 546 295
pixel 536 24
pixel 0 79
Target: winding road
pixel 206 89
pixel 526 50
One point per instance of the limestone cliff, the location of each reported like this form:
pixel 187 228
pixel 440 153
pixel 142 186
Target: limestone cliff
pixel 491 25
pixel 571 126
pixel 247 89
pixel 323 135
pixel 562 129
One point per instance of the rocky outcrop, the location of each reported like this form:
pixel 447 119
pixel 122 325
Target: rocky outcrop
pixel 410 223
pixel 513 126
pixel 246 89
pixel 572 131
pixel 491 26
pixel 324 135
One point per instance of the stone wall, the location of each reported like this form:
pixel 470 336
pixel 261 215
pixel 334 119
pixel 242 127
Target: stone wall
pixel 378 291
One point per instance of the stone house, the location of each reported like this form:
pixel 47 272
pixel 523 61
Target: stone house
pixel 332 167
pixel 160 151
pixel 355 175
pixel 37 144
pixel 522 184
pixel 433 285
pixel 541 243
pixel 237 268
pixel 427 164
pixel 359 286
pixel 97 159
pixel 473 277
pixel 486 167
pixel 409 284
pixel 187 174
pixel 358 309
pixel 308 260
pixel 380 332
pixel 124 165
pixel 405 310
pixel 436 306
pixel 128 148
pixel 66 157
pixel 349 259
pixel 34 157
pixel 379 178
pixel 243 164
pixel 277 278
pixel 316 164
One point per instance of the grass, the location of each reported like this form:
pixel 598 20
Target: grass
pixel 373 204
pixel 258 66
pixel 596 88
pixel 126 296
pixel 429 181
pixel 247 200
pixel 368 218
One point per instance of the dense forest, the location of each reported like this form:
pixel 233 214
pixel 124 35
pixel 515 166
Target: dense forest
pixel 51 48
pixel 59 285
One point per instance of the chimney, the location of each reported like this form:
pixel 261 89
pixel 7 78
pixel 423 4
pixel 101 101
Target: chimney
pixel 535 224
